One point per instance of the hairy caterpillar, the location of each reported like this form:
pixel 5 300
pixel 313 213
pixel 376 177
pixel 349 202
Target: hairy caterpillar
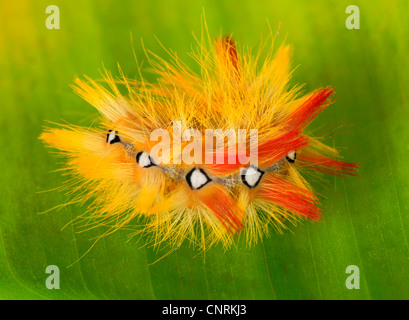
pixel 114 166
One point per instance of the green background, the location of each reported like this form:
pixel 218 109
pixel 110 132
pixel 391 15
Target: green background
pixel 366 218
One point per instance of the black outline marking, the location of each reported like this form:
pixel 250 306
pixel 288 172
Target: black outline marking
pixel 116 139
pixel 189 182
pixel 150 159
pixel 243 177
pixel 292 160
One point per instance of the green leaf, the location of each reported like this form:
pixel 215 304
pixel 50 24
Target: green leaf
pixel 365 219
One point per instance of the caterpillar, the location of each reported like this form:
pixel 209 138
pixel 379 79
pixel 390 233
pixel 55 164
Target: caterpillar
pixel 130 176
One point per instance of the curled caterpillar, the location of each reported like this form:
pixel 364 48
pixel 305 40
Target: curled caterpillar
pixel 151 165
